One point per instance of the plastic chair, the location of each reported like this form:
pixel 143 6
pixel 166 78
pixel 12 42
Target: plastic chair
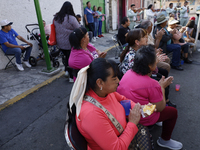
pixel 73 137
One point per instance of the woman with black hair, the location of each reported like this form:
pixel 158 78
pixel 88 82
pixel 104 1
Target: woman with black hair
pixel 65 22
pixel 82 53
pixel 187 34
pixel 99 81
pixel 137 85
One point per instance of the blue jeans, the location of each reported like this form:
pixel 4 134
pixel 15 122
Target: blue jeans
pixel 100 26
pixel 96 24
pixel 17 52
pixel 176 49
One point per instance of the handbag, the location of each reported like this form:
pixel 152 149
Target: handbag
pixel 52 37
pixel 142 140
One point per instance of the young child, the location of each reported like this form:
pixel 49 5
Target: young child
pixel 96 21
pixel 101 19
pixel 187 35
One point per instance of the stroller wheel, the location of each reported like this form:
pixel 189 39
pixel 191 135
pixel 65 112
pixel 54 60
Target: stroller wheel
pixel 56 64
pixel 32 61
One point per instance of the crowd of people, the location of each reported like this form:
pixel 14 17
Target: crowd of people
pixel 142 76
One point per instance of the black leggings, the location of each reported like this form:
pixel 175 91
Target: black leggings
pixel 67 68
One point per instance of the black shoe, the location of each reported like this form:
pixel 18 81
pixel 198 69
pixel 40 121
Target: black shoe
pixel 171 104
pixel 186 60
pixel 177 68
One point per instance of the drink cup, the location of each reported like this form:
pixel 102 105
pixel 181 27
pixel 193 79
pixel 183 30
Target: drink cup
pixel 177 87
pixel 127 106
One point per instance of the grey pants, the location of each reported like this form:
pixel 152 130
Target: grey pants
pixel 183 21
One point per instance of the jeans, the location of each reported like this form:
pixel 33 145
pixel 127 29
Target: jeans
pixel 100 26
pixel 91 27
pixel 96 24
pixel 176 49
pixel 17 52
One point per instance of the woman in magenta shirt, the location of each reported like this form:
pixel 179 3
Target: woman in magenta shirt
pixel 82 52
pixel 137 85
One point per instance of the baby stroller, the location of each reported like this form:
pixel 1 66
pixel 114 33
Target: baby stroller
pixel 33 30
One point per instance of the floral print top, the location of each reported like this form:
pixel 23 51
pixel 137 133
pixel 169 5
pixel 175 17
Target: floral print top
pixel 128 61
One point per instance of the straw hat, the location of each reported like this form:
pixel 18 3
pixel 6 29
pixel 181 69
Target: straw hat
pixel 161 18
pixel 172 21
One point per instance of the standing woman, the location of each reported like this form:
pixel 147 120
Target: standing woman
pixel 96 21
pixel 65 22
pixel 101 19
pixel 150 13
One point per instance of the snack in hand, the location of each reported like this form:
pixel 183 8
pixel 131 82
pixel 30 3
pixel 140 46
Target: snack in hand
pixel 149 109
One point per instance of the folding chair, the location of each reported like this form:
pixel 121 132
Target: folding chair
pixel 10 58
pixel 118 45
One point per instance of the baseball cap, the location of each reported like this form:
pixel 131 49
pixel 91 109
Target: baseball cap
pixel 5 23
pixel 192 18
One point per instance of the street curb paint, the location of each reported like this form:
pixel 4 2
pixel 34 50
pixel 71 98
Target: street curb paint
pixel 26 93
pixel 35 88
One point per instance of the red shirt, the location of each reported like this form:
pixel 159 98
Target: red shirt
pixel 98 130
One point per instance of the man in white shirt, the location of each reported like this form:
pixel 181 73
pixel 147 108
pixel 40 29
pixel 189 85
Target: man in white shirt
pixel 184 14
pixel 132 15
pixel 171 10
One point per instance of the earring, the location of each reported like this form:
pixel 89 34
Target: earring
pixel 101 88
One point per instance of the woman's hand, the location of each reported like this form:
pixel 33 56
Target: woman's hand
pixel 135 114
pixel 161 57
pixel 166 82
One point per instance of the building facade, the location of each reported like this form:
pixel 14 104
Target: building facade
pixel 23 12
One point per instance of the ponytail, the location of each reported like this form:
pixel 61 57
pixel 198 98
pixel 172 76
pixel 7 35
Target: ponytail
pixel 124 52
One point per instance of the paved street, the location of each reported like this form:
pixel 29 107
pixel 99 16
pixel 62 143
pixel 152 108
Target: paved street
pixel 37 121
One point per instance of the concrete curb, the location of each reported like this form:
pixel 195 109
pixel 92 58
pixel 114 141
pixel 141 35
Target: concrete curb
pixel 35 88
pixel 26 93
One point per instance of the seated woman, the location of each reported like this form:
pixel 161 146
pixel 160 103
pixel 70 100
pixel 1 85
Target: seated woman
pixel 82 52
pixel 92 122
pixel 135 39
pixel 137 85
pixel 187 35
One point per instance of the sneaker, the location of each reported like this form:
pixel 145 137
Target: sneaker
pixel 93 39
pixel 19 66
pixel 71 80
pixel 159 124
pixel 27 64
pixel 66 74
pixel 171 104
pixel 97 37
pixel 171 144
pixel 102 36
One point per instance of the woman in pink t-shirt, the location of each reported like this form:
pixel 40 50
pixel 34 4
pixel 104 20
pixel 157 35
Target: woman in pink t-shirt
pixel 82 52
pixel 99 80
pixel 137 85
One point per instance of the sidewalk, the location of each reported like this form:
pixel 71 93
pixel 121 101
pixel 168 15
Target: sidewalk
pixel 15 85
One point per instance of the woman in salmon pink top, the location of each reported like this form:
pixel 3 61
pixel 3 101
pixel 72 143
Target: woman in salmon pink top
pixel 92 122
pixel 82 52
pixel 137 85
